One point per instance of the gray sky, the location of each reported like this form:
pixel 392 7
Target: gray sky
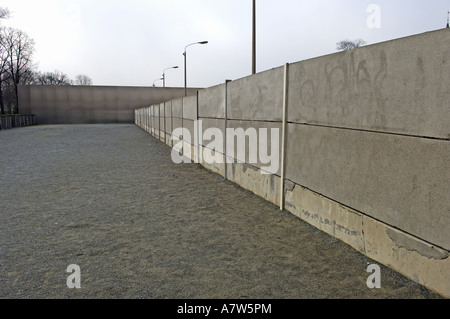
pixel 131 42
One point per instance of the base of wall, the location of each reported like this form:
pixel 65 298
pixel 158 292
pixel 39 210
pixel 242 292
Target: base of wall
pixel 415 259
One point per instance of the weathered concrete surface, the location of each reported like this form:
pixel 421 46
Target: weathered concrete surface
pixel 168 117
pixel 408 254
pixel 177 123
pixel 177 108
pixel 190 108
pixel 336 220
pixel 189 125
pixel 211 102
pixel 368 130
pixel 249 177
pixel 391 178
pixel 217 167
pixel 400 86
pixel 211 123
pixel 155 117
pixel 108 198
pixel 420 261
pixel 258 145
pixel 257 97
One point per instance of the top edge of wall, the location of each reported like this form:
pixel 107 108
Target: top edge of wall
pixel 112 87
pixel 371 45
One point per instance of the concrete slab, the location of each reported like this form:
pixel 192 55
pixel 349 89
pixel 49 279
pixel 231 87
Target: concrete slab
pixel 177 108
pixel 399 86
pixel 190 107
pixel 211 102
pixel 391 178
pixel 259 144
pixel 258 97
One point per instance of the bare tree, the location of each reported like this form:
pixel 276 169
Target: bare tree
pixel 16 50
pixel 346 45
pixel 21 49
pixel 9 96
pixel 82 79
pixel 4 60
pixel 4 13
pixel 52 78
pixel 28 77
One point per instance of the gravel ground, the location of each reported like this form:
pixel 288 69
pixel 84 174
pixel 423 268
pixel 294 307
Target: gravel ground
pixel 109 199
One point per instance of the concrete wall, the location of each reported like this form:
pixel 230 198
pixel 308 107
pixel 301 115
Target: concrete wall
pixel 90 104
pixel 366 151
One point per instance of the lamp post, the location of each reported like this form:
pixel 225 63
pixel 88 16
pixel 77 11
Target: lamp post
pixel 254 38
pixel 164 74
pixel 185 63
pixel 156 81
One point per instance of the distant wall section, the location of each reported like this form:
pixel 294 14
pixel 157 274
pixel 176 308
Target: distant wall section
pixel 90 104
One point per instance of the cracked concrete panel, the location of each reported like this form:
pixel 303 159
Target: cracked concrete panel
pixel 402 181
pixel 410 243
pixel 417 260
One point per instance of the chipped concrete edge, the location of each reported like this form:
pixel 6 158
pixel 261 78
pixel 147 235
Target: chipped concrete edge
pixel 417 260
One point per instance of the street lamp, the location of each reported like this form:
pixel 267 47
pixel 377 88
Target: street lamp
pixel 164 74
pixel 185 70
pixel 254 38
pixel 156 81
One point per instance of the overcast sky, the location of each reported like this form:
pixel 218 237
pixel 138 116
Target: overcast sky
pixel 131 42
